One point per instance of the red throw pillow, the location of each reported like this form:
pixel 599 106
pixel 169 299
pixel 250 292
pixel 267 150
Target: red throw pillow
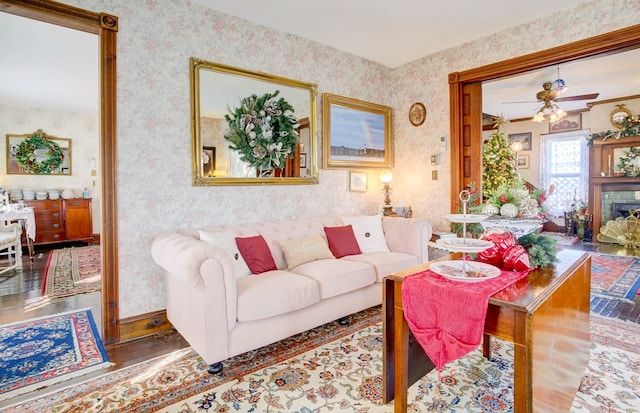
pixel 256 253
pixel 342 241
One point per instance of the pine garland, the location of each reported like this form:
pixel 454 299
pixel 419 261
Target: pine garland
pixel 263 130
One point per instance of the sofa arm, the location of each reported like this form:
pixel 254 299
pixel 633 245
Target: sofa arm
pixel 408 235
pixel 198 267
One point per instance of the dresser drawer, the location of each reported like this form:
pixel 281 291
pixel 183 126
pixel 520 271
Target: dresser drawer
pixel 47 214
pixel 45 205
pixel 49 225
pixel 49 236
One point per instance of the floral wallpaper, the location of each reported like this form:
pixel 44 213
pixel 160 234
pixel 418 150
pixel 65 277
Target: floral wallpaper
pixel 156 39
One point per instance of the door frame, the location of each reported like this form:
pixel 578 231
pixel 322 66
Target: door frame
pixel 106 27
pixel 465 95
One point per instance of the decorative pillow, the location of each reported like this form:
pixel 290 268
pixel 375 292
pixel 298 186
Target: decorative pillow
pixel 368 232
pixel 307 249
pixel 342 241
pixel 256 253
pixel 227 241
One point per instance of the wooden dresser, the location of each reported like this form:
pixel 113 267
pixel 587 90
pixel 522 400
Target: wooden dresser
pixel 62 220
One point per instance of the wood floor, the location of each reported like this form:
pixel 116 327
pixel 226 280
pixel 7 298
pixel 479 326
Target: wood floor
pixel 21 299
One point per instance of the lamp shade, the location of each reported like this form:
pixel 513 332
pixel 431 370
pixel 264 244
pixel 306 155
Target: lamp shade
pixel 385 176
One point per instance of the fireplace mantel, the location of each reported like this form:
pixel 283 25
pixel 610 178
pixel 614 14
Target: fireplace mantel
pixel 602 177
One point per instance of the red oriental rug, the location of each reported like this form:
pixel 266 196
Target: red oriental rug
pixel 614 276
pixel 72 271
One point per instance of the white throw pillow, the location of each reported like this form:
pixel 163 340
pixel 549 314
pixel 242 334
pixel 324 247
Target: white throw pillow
pixel 368 232
pixel 302 250
pixel 227 241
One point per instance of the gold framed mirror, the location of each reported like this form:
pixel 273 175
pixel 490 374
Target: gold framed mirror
pixel 618 115
pixel 260 128
pixel 38 154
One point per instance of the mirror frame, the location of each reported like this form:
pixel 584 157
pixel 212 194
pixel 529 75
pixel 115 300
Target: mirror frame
pixel 201 179
pixel 63 143
pixel 621 112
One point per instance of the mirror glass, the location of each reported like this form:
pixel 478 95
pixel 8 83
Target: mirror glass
pixel 38 154
pixel 619 115
pixel 251 128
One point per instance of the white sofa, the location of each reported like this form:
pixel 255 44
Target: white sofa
pixel 222 314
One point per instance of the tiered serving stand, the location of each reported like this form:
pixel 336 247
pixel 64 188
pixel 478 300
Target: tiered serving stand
pixel 464 270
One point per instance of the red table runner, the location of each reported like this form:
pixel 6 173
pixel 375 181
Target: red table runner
pixel 447 317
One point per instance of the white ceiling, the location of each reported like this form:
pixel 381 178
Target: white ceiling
pixel 58 66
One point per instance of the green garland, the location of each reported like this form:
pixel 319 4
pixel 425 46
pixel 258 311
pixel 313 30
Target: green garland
pixel 541 248
pixel 630 127
pixel 263 130
pixel 26 154
pixel 630 162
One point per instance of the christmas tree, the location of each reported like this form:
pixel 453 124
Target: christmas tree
pixel 498 169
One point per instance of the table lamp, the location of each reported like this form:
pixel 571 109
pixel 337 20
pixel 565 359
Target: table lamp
pixel 385 178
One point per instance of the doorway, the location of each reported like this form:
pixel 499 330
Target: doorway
pixel 105 27
pixel 466 96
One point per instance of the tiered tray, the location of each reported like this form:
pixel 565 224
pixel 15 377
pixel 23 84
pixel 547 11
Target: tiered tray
pixel 463 270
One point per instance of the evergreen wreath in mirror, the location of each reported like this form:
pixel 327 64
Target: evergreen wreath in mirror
pixel 263 130
pixel 27 157
pixel 630 162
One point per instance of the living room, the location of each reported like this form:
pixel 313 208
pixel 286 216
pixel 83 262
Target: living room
pixel 153 159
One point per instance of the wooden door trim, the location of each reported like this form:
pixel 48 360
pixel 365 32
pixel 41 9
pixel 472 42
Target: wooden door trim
pixel 607 43
pixel 105 26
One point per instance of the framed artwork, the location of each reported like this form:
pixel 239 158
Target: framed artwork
pixel 524 138
pixel 567 124
pixel 208 160
pixel 48 155
pixel 303 160
pixel 357 181
pixel 355 134
pixel 523 162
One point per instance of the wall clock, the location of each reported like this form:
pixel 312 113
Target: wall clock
pixel 417 114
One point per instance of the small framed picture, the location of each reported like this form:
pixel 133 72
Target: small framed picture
pixel 567 124
pixel 208 160
pixel 357 181
pixel 303 160
pixel 523 138
pixel 523 162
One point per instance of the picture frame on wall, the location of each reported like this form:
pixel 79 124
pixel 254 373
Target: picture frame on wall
pixel 40 155
pixel 356 134
pixel 303 160
pixel 357 181
pixel 567 124
pixel 523 162
pixel 524 138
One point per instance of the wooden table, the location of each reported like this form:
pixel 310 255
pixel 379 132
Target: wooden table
pixel 545 315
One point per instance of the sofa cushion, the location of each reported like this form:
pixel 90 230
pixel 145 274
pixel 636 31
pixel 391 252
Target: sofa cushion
pixel 226 240
pixel 368 232
pixel 336 277
pixel 274 292
pixel 342 241
pixel 256 253
pixel 385 262
pixel 300 250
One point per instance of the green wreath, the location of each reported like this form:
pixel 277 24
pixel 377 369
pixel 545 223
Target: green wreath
pixel 630 162
pixel 263 130
pixel 26 154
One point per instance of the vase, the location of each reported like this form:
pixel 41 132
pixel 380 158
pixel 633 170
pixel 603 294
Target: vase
pixel 581 228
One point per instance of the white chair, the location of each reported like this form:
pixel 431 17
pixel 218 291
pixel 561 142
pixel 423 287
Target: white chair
pixel 10 245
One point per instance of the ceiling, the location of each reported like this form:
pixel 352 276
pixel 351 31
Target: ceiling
pixel 391 33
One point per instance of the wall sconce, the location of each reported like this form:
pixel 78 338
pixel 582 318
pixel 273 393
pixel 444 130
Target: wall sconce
pixel 385 178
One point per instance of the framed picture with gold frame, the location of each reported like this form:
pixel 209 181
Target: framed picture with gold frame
pixel 357 181
pixel 46 154
pixel 355 133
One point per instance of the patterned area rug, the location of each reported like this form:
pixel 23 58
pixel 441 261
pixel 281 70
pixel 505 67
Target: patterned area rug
pixel 72 271
pixel 42 351
pixel 561 239
pixel 614 276
pixel 300 375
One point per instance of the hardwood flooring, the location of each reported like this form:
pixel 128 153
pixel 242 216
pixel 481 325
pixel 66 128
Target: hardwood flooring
pixel 20 299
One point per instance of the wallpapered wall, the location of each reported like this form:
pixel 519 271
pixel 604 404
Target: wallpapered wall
pixel 81 128
pixel 155 41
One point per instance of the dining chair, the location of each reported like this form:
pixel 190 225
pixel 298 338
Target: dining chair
pixel 11 245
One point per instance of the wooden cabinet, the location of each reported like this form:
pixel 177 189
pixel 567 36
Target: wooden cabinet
pixel 62 220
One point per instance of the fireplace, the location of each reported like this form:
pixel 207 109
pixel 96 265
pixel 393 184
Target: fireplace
pixel 621 209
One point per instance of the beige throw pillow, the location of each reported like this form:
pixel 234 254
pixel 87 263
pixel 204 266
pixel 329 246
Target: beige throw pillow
pixel 301 250
pixel 227 241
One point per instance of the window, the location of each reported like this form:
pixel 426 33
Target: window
pixel 564 163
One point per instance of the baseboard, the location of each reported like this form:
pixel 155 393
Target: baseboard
pixel 143 325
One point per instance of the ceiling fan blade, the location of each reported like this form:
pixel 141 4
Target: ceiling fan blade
pixel 578 97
